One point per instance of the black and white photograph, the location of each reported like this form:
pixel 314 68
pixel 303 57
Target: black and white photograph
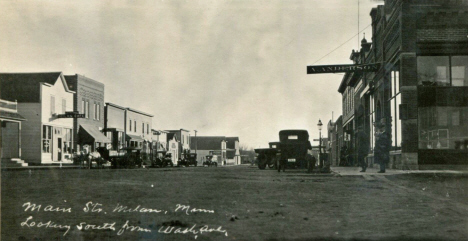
pixel 275 120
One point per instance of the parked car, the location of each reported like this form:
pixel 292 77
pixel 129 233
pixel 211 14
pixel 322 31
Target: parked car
pixel 209 161
pixel 127 157
pixel 188 159
pixel 163 161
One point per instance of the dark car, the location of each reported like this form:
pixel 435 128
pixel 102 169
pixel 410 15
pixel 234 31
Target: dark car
pixel 293 148
pixel 188 159
pixel 266 157
pixel 163 161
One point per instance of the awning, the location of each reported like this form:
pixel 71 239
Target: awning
pixel 11 115
pixel 133 137
pixel 91 134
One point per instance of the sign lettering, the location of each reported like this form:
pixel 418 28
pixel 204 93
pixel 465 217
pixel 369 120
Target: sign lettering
pixel 343 68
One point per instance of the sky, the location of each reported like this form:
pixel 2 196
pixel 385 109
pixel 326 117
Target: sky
pixel 221 67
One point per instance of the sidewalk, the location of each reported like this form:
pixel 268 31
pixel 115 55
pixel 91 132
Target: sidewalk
pixel 355 171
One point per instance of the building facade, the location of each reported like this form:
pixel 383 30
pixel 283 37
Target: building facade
pixel 41 99
pixel 88 100
pixel 114 125
pixel 10 142
pixel 183 136
pixel 420 92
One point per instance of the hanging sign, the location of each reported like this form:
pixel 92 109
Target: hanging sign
pixel 342 68
pixel 71 114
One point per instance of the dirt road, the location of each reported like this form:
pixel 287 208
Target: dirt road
pixel 231 203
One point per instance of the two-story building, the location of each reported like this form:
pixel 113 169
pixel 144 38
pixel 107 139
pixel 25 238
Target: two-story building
pixel 42 98
pixel 10 142
pixel 159 142
pixel 420 91
pixel 115 125
pixel 88 100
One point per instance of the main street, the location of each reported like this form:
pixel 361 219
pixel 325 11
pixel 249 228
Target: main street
pixel 232 203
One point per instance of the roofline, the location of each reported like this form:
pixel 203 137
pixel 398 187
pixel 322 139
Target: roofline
pixel 139 112
pixel 87 78
pixel 114 105
pixel 181 129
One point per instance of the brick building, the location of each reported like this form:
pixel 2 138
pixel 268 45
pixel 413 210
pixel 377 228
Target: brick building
pixel 421 89
pixel 88 100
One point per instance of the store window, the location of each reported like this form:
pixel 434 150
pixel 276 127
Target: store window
pixel 67 141
pixel 443 127
pixel 443 70
pixel 395 102
pixel 46 138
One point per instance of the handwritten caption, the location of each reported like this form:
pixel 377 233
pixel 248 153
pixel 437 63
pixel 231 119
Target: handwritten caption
pixel 126 226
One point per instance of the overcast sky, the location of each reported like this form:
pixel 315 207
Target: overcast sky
pixel 226 68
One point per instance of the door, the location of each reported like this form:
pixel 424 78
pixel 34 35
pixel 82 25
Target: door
pixel 10 139
pixel 59 149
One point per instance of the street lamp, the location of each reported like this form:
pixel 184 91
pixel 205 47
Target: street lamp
pixel 319 125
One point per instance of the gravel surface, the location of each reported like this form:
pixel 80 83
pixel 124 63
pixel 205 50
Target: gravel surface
pixel 231 203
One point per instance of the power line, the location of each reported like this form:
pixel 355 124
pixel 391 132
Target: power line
pixel 342 44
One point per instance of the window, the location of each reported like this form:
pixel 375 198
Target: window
pixel 143 128
pixel 98 116
pixel 147 128
pixel 46 138
pixel 443 70
pixel 130 125
pixel 86 109
pixel 395 102
pixel 67 140
pixel 95 111
pixel 64 106
pixel 443 127
pixel 294 137
pixel 83 107
pixel 52 104
pixel 134 126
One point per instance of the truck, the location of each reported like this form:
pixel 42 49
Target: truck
pixel 268 156
pixel 293 148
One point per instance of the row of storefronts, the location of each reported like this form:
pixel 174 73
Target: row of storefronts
pixel 419 91
pixel 49 117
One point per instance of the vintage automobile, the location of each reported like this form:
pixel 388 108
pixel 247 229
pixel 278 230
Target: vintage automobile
pixel 127 157
pixel 294 145
pixel 188 159
pixel 209 161
pixel 163 161
pixel 266 157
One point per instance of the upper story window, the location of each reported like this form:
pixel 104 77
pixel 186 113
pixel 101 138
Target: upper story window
pixel 64 106
pixel 130 125
pixel 142 127
pixel 52 104
pixel 443 70
pixel 134 126
pixel 147 128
